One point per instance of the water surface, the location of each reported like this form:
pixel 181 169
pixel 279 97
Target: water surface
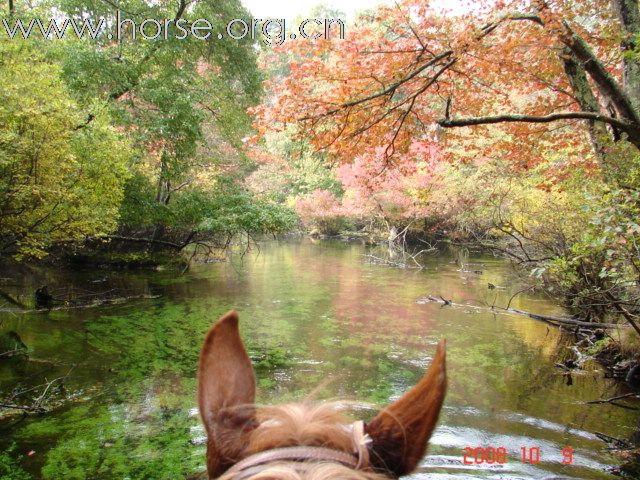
pixel 312 314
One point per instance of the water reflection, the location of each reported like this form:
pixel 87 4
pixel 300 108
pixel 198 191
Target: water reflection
pixel 311 315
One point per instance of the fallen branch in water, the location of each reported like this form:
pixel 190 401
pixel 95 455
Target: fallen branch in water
pixel 13 353
pixel 391 263
pixel 613 399
pixel 69 305
pixel 43 395
pixel 45 400
pixel 518 293
pixel 445 301
pixel 551 319
pixel 26 408
pixel 613 441
pixel 12 300
pixel 568 321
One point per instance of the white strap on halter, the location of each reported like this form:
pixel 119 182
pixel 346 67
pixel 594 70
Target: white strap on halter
pixel 302 456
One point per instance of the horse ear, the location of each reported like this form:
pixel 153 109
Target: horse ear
pixel 226 394
pixel 400 432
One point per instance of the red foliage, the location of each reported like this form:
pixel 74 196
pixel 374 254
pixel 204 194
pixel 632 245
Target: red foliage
pixel 387 84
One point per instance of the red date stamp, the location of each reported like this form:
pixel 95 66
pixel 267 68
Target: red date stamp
pixel 498 455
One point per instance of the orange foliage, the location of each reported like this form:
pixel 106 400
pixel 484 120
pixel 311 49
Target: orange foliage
pixel 397 73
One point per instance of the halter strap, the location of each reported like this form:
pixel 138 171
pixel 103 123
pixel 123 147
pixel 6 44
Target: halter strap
pixel 295 454
pixel 302 456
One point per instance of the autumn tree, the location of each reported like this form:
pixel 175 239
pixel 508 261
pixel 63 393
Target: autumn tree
pixel 60 180
pixel 165 118
pixel 181 103
pixel 168 93
pixel 550 87
pixel 549 74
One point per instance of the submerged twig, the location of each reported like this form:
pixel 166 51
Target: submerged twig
pixel 26 408
pixel 616 442
pixel 613 399
pixel 551 319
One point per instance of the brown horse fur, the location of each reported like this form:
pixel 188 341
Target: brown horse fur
pixel 236 429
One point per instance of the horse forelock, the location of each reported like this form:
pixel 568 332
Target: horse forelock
pixel 304 424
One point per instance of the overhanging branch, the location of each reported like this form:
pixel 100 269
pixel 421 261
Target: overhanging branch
pixel 606 83
pixel 490 27
pixel 512 118
pixel 392 88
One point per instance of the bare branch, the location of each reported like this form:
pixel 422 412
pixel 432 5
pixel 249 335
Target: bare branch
pixel 553 117
pixel 391 88
pixel 613 399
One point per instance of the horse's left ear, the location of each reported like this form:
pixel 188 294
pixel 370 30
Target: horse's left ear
pixel 400 432
pixel 226 394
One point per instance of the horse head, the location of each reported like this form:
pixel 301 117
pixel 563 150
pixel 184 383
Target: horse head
pixel 305 441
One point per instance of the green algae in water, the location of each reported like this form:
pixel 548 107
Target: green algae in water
pixel 10 468
pixel 310 315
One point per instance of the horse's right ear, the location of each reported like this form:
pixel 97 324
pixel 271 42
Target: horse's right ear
pixel 226 394
pixel 400 432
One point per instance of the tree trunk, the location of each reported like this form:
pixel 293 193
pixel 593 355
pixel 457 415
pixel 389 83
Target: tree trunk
pixel 607 85
pixel 393 234
pixel 629 15
pixel 163 192
pixel 598 132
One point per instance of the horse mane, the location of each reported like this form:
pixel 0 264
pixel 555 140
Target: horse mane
pixel 304 424
pixel 320 471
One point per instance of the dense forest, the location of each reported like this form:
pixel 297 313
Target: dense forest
pixel 132 139
pixel 511 125
pixel 508 126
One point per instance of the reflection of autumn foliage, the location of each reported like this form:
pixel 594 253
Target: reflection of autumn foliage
pixel 366 300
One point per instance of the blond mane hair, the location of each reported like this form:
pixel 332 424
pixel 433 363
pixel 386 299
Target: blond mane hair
pixel 304 424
